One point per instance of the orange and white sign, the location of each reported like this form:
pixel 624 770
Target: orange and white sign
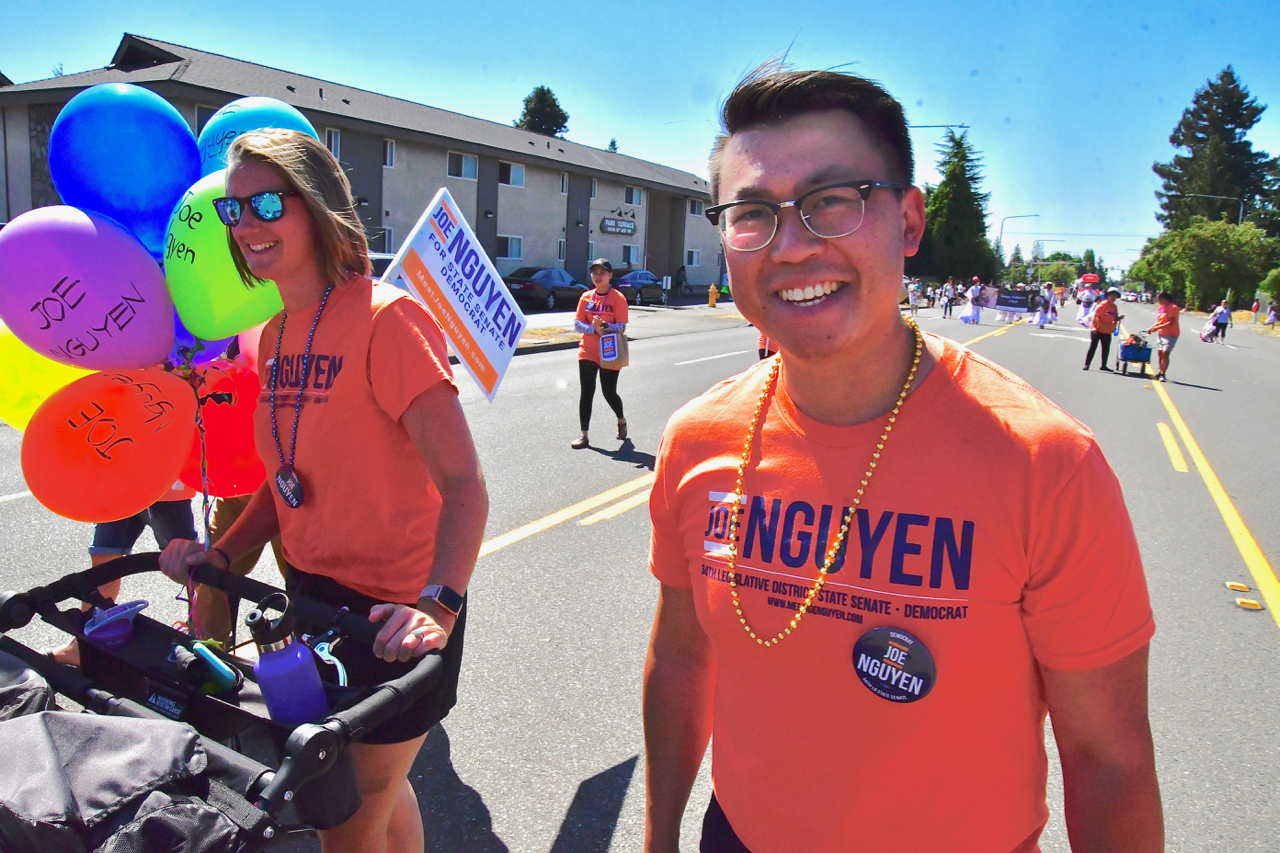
pixel 442 264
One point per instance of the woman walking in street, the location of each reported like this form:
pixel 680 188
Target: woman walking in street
pixel 1221 318
pixel 600 311
pixel 378 499
pixel 1167 327
pixel 1102 325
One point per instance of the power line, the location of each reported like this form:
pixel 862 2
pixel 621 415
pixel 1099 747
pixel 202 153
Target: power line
pixel 1069 234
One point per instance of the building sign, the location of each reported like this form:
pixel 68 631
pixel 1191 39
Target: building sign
pixel 610 225
pixel 443 266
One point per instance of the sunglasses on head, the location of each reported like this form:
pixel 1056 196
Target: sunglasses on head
pixel 268 206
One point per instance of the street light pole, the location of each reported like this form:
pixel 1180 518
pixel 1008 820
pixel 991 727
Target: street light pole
pixel 1239 201
pixel 1000 239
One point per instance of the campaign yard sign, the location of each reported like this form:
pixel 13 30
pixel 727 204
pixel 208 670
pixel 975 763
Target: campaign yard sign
pixel 443 266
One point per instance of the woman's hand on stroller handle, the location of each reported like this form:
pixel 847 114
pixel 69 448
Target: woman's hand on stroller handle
pixel 409 632
pixel 180 555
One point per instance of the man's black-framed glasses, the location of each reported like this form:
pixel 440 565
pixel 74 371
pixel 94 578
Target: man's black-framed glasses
pixel 268 206
pixel 829 212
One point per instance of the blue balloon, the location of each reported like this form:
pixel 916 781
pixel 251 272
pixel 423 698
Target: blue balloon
pixel 242 116
pixel 184 342
pixel 125 152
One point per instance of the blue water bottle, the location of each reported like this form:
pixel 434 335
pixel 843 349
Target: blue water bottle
pixel 286 670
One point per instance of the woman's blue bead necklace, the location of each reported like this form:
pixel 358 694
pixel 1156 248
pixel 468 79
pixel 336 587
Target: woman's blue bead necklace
pixel 288 483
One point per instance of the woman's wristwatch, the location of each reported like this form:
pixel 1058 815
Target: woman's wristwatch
pixel 442 595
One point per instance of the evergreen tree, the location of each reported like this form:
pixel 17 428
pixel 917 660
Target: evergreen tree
pixel 542 113
pixel 1219 161
pixel 956 215
pixel 613 146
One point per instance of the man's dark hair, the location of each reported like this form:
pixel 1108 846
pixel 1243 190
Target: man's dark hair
pixel 771 94
pixel 1165 295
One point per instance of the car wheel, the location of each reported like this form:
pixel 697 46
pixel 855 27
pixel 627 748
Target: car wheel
pixel 551 302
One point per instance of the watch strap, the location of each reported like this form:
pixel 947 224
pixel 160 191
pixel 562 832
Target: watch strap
pixel 449 599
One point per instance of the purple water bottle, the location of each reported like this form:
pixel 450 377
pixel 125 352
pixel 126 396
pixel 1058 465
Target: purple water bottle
pixel 286 670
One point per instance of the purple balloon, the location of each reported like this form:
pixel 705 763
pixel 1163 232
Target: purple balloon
pixel 184 342
pixel 79 288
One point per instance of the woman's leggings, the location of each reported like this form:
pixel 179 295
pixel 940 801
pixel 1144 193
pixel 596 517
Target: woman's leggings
pixel 587 371
pixel 1222 331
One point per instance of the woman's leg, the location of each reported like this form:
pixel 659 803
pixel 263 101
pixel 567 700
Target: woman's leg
pixel 609 387
pixel 388 820
pixel 1106 350
pixel 1222 332
pixel 587 371
pixel 1093 347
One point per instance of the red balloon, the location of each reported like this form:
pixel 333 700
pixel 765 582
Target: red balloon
pixel 229 396
pixel 110 444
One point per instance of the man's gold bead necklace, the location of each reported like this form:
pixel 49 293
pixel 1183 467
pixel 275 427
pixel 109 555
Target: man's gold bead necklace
pixel 834 550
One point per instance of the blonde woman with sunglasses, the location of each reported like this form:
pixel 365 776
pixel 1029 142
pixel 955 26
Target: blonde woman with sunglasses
pixel 374 483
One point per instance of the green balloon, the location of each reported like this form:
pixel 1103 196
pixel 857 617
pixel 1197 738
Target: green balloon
pixel 207 291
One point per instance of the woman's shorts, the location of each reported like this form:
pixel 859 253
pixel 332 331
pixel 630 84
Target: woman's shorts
pixel 168 520
pixel 365 670
pixel 1168 342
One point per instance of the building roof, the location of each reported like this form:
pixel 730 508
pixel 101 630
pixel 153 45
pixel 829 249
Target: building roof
pixel 141 60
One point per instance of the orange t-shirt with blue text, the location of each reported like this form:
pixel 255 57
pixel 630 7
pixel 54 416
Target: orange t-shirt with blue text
pixel 611 305
pixel 963 554
pixel 369 512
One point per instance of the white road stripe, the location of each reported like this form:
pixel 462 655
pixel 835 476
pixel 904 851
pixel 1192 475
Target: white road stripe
pixel 711 357
pixel 14 497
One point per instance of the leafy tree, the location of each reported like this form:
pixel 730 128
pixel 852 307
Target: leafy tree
pixel 1204 262
pixel 1271 284
pixel 613 146
pixel 1018 269
pixel 1219 161
pixel 955 241
pixel 57 70
pixel 542 113
pixel 1059 272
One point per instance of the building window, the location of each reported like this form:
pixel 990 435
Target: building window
pixel 389 153
pixel 695 207
pixel 593 187
pixel 203 114
pixel 511 174
pixel 693 258
pixel 562 250
pixel 591 250
pixel 333 141
pixel 564 183
pixel 509 248
pixel 631 254
pixel 463 165
pixel 388 239
pixel 633 195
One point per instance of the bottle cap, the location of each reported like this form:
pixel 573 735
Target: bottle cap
pixel 271 634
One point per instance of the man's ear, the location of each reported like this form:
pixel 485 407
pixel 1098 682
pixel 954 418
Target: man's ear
pixel 912 221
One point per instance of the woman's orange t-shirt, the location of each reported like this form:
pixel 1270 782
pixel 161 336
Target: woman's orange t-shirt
pixel 368 518
pixel 611 305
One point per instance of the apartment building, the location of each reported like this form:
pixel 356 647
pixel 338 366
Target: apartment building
pixel 532 200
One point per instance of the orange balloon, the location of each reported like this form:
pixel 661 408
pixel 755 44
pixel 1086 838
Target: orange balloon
pixel 229 395
pixel 110 444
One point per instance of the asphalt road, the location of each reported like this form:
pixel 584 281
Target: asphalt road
pixel 544 750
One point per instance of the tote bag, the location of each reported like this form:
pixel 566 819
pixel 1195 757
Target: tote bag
pixel 614 352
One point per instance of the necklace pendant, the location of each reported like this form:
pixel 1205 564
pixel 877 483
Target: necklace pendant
pixel 289 484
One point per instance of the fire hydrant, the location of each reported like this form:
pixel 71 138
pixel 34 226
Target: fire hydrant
pixel 713 295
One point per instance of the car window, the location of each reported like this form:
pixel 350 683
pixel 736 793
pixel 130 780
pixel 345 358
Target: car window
pixel 545 276
pixel 524 272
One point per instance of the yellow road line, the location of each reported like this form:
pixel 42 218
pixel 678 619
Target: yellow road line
pixel 999 331
pixel 1263 575
pixel 1171 445
pixel 617 509
pixel 564 515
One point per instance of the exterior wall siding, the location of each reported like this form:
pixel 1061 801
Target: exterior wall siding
pixel 609 203
pixel 701 235
pixel 536 214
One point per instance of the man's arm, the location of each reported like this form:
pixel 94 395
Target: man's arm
pixel 1108 761
pixel 679 674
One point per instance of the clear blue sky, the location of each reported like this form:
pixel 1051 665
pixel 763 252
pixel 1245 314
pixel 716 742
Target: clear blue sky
pixel 1069 103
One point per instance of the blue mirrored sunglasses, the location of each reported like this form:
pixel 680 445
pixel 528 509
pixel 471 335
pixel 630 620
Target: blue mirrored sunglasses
pixel 268 206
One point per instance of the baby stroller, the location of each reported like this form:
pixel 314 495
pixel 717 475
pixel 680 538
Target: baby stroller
pixel 157 763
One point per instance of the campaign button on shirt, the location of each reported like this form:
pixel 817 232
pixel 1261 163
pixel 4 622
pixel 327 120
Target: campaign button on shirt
pixel 894 665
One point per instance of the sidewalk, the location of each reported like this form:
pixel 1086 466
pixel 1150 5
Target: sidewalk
pixel 547 332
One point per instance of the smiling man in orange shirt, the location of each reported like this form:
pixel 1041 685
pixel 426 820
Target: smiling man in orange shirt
pixel 871 638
